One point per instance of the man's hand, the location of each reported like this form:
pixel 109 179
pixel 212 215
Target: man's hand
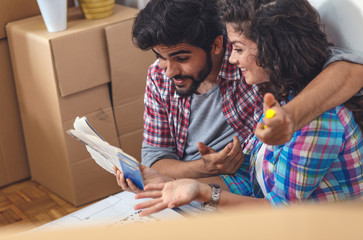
pixel 149 176
pixel 226 161
pixel 279 129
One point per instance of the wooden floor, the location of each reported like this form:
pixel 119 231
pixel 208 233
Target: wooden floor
pixel 27 205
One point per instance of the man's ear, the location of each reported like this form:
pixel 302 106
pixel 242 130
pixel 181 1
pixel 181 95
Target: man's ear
pixel 217 45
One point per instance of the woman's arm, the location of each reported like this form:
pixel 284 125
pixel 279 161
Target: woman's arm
pixel 182 192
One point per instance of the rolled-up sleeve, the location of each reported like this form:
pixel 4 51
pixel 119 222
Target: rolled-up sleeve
pixel 340 54
pixel 151 154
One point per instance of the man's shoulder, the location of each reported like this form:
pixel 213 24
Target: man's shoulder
pixel 158 82
pixel 157 74
pixel 155 69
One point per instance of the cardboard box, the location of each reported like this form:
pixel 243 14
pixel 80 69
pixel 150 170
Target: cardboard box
pixel 299 221
pixel 12 10
pixel 13 159
pixel 129 67
pixel 60 76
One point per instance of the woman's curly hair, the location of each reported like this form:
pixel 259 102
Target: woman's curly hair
pixel 292 47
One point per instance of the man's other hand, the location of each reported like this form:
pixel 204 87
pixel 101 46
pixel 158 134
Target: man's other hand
pixel 227 161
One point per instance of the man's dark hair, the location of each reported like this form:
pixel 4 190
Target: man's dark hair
pixel 171 22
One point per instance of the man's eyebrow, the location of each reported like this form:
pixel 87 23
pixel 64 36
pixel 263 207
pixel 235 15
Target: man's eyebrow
pixel 179 52
pixel 173 53
pixel 157 54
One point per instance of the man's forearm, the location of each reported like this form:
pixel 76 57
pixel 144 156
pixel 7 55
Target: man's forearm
pixel 332 87
pixel 214 180
pixel 181 169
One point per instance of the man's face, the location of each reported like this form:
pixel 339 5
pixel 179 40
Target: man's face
pixel 187 66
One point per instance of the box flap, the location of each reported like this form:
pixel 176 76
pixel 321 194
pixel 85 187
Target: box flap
pixel 79 53
pixel 128 64
pixel 80 61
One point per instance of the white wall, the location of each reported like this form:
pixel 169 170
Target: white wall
pixel 343 21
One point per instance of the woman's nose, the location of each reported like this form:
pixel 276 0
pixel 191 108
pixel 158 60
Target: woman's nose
pixel 232 59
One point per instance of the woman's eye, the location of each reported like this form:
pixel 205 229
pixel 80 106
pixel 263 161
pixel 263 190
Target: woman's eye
pixel 238 50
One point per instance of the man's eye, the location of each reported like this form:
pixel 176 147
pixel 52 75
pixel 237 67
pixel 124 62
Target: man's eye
pixel 182 59
pixel 238 50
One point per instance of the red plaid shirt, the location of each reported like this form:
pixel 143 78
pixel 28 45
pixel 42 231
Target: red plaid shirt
pixel 166 116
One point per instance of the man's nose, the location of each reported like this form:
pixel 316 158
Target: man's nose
pixel 171 70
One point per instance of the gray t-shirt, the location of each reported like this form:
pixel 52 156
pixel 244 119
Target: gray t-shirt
pixel 207 124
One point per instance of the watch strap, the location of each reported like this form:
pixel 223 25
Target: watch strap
pixel 212 204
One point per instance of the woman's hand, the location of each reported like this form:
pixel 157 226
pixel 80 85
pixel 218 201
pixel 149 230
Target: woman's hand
pixel 172 194
pixel 279 129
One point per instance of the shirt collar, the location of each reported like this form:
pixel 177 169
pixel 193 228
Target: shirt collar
pixel 229 71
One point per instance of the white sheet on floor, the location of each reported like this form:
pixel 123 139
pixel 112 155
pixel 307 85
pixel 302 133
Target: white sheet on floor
pixel 116 209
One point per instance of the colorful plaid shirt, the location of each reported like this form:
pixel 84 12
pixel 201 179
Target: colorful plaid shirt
pixel 322 162
pixel 166 116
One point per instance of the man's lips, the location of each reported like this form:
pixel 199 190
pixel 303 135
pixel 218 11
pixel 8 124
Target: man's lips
pixel 179 82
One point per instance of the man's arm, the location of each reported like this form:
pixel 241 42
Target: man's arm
pixel 333 86
pixel 212 163
pixel 181 169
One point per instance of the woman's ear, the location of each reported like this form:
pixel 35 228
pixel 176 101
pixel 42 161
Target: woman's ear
pixel 217 45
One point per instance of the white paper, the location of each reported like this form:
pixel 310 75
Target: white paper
pixel 114 210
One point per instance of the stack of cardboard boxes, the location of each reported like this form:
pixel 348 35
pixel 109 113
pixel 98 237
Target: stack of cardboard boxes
pixel 13 159
pixel 91 69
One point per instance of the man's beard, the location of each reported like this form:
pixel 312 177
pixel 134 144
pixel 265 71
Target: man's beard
pixel 202 75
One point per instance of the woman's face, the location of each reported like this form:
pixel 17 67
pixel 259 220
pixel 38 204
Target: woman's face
pixel 243 55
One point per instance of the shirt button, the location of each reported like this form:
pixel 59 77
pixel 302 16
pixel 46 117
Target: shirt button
pixel 181 141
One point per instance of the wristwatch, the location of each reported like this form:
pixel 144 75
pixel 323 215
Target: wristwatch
pixel 211 206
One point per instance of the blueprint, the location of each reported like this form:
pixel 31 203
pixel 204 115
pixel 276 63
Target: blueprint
pixel 113 210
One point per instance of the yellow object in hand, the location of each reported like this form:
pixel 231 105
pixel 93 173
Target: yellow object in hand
pixel 269 114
